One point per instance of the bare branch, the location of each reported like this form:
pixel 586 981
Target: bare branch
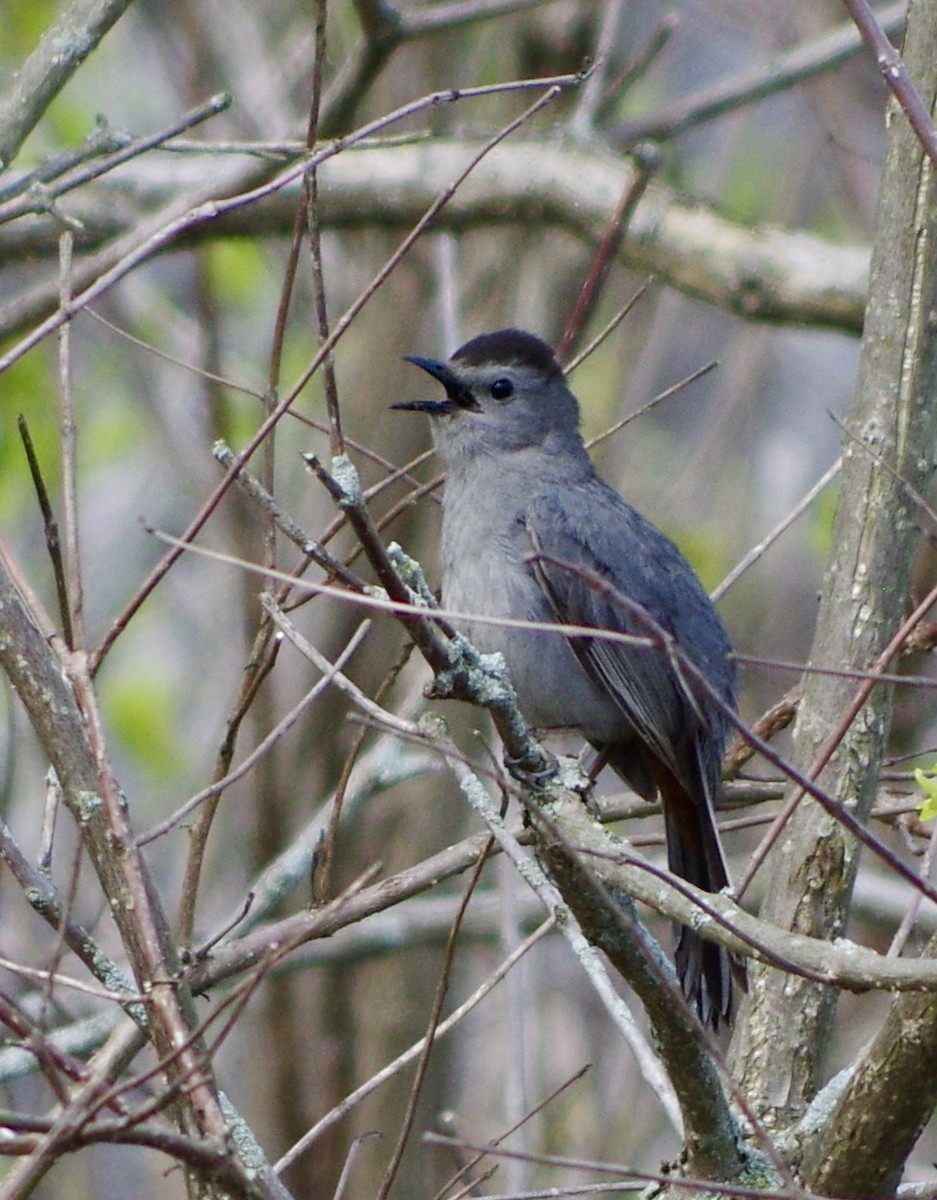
pixel 895 74
pixel 793 67
pixel 763 273
pixel 61 51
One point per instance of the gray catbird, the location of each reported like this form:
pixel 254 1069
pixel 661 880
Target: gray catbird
pixel 530 532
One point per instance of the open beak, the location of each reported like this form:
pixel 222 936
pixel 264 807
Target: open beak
pixel 458 396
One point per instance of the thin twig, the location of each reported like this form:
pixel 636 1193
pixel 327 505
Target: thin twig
pixel 193 216
pixel 806 781
pixel 429 1038
pixel 43 198
pixel 756 552
pixel 502 1137
pixel 795 66
pixel 310 209
pixel 408 1056
pixel 263 746
pixel 152 240
pixel 895 74
pixel 381 715
pixel 587 955
pixel 665 1180
pixel 314 551
pixel 325 854
pixel 646 163
pixel 73 585
pixel 608 329
pixel 158 352
pixel 51 528
pixel 653 402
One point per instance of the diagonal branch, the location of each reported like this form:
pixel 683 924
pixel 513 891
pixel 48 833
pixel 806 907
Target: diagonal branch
pixel 63 48
pixel 864 600
pixel 63 714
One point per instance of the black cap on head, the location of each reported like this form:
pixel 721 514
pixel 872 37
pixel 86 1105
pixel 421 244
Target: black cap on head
pixel 508 346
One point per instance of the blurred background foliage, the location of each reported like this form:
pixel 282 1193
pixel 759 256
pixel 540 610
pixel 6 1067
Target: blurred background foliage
pixel 183 359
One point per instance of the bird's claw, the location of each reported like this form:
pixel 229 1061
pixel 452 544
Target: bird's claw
pixel 532 771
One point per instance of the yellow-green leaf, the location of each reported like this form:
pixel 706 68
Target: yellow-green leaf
pixel 927 782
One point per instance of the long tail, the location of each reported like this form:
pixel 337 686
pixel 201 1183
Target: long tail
pixel 706 971
pixel 694 853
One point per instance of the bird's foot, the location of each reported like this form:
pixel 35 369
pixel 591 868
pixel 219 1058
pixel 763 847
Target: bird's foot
pixel 535 771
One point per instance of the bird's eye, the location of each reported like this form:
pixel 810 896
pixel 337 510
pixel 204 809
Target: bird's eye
pixel 501 389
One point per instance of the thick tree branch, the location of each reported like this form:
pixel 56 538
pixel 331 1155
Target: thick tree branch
pixel 72 742
pixel 888 1099
pixel 785 1028
pixel 64 47
pixel 763 273
pixel 842 964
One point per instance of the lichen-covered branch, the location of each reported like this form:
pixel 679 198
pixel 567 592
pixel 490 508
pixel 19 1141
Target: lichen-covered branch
pixel 63 48
pixel 786 1026
pixel 763 273
pixel 71 739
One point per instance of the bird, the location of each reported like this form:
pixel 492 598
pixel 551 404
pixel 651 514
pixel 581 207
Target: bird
pixel 531 532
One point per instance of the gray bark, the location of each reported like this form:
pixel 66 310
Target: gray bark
pixel 785 1025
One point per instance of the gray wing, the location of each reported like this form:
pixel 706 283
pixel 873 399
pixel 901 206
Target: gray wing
pixel 591 528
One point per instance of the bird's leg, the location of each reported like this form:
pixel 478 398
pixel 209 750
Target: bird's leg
pixel 594 761
pixel 536 774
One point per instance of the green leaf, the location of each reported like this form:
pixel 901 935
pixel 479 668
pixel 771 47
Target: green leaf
pixel 927 782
